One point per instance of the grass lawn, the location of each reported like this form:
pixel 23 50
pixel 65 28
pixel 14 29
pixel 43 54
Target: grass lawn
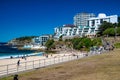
pixel 99 67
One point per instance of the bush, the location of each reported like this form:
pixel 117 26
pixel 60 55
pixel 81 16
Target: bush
pixel 117 45
pixel 109 31
pixel 49 44
pixel 85 43
pixel 96 42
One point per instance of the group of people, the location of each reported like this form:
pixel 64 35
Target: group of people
pixel 18 62
pixel 24 57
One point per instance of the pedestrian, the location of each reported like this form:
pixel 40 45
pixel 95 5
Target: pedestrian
pixel 18 63
pixel 46 55
pixel 11 57
pixel 77 56
pixel 51 55
pixel 15 77
pixel 25 57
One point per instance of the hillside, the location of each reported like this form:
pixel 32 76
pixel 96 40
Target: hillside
pixel 99 67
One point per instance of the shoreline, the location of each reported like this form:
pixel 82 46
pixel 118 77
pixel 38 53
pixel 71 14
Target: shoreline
pixel 19 55
pixel 7 61
pixel 14 65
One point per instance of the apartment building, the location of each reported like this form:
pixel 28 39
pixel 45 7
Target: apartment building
pixel 68 30
pixel 90 29
pixel 41 40
pixel 97 21
pixel 80 19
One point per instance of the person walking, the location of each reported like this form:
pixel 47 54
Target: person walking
pixel 18 63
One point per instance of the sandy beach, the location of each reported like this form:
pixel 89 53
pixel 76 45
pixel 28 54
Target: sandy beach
pixel 29 62
pixel 14 60
pixel 31 58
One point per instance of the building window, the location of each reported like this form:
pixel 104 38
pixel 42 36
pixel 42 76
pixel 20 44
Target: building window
pixel 97 20
pixel 93 22
pixel 101 21
pixel 87 23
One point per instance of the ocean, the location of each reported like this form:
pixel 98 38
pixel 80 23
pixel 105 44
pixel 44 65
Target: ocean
pixel 16 55
pixel 7 51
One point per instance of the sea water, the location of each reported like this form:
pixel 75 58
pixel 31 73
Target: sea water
pixel 17 55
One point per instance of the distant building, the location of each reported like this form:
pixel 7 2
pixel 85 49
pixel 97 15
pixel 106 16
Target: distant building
pixel 70 31
pixel 38 42
pixel 81 19
pixel 41 40
pixel 66 31
pixel 97 21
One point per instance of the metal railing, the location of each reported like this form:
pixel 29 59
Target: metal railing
pixel 28 65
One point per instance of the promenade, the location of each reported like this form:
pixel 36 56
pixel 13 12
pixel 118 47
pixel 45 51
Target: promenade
pixel 9 66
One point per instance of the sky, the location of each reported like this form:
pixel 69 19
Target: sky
pixel 20 18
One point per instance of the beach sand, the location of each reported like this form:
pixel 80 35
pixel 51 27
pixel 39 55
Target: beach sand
pixel 31 58
pixel 13 62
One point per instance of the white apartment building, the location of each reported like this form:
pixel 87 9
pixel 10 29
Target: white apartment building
pixel 41 40
pixel 90 30
pixel 80 19
pixel 97 21
pixel 66 30
pixel 38 42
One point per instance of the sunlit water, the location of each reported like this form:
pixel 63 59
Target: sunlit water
pixel 16 55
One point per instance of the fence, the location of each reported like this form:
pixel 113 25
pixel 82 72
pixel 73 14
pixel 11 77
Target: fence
pixel 28 65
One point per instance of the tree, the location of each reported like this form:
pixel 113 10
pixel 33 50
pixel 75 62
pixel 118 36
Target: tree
pixel 118 31
pixel 109 31
pixel 49 44
pixel 75 43
pixel 96 42
pixel 87 42
pixel 60 38
pixel 81 43
pixel 119 19
pixel 25 37
pixel 104 26
pixel 68 43
pixel 118 25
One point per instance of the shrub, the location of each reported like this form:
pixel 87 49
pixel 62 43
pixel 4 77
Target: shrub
pixel 117 45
